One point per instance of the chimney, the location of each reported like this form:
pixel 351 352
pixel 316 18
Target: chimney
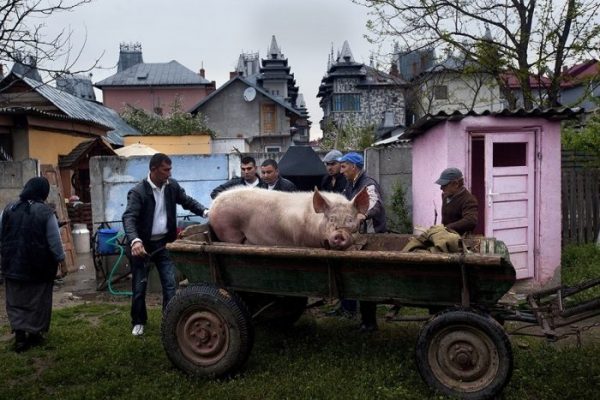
pixel 201 73
pixel 233 74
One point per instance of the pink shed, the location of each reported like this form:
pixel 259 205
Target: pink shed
pixel 512 164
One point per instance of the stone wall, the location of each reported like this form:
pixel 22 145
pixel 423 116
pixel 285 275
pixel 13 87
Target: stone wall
pixel 13 176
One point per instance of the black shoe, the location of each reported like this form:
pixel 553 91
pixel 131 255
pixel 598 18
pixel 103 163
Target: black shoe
pixel 21 343
pixel 368 327
pixel 35 339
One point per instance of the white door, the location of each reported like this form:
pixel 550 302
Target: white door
pixel 510 191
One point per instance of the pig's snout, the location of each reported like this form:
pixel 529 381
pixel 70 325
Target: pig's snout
pixel 340 240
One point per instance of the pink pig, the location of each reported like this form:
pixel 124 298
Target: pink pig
pixel 268 217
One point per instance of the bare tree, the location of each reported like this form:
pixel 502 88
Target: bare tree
pixel 526 37
pixel 23 37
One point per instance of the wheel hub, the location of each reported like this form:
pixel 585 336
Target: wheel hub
pixel 203 337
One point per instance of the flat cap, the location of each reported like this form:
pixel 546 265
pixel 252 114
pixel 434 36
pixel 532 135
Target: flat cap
pixel 448 175
pixel 332 156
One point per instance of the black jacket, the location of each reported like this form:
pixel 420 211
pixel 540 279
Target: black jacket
pixel 139 214
pixel 340 183
pixel 375 213
pixel 282 184
pixel 26 253
pixel 237 181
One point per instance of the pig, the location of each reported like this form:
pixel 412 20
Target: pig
pixel 305 219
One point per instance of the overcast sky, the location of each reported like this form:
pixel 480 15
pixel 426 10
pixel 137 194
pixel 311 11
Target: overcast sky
pixel 214 32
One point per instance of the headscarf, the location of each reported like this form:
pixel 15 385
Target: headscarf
pixel 36 189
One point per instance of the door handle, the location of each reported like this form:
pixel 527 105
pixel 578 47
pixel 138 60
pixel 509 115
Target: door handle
pixel 490 194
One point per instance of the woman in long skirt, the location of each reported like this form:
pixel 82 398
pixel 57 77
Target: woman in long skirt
pixel 31 251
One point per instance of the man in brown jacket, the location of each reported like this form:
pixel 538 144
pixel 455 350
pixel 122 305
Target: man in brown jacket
pixel 459 206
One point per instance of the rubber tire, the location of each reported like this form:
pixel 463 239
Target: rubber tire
pixel 284 313
pixel 458 328
pixel 233 332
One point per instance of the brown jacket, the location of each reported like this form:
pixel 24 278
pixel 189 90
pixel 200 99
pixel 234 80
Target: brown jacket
pixel 460 213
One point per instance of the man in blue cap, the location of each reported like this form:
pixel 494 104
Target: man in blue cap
pixel 459 206
pixel 352 167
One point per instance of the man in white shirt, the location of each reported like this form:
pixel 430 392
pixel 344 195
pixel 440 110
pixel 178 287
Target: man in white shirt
pixel 150 222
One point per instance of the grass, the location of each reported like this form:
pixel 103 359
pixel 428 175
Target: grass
pixel 90 354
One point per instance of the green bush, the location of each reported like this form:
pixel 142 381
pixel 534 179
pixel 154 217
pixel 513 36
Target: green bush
pixel 581 263
pixel 399 220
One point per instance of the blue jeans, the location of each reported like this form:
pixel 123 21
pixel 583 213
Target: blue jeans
pixel 139 270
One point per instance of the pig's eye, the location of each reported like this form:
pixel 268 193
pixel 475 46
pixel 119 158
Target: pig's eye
pixel 332 219
pixel 349 220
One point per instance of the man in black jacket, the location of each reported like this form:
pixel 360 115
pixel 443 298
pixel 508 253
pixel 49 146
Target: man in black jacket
pixel 334 181
pixel 249 177
pixel 150 223
pixel 271 179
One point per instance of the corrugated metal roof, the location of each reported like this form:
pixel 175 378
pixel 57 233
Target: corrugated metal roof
pixel 45 114
pixel 82 149
pixel 154 74
pixel 84 110
pixel 430 120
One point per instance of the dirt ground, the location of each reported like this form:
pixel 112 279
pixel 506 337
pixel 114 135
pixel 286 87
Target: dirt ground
pixel 79 287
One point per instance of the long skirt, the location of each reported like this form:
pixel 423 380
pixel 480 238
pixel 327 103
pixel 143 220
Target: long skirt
pixel 29 305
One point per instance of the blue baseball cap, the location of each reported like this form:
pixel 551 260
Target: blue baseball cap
pixel 353 158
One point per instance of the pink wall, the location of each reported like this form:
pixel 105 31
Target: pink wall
pixel 447 144
pixel 148 98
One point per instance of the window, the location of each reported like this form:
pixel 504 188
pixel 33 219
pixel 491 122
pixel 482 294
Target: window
pixel 272 149
pixel 510 154
pixel 440 92
pixel 268 114
pixel 346 102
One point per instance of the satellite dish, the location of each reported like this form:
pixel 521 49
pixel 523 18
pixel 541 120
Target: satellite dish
pixel 249 94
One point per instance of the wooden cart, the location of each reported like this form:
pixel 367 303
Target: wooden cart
pixel 207 328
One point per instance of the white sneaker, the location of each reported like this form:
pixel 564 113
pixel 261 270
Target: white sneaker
pixel 138 330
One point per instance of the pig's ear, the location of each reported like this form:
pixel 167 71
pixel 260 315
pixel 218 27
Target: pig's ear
pixel 320 203
pixel 361 201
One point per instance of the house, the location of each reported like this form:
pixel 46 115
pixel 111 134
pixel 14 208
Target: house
pixel 153 87
pixel 18 91
pixel 454 84
pixel 352 93
pixel 580 85
pixel 511 161
pixel 259 109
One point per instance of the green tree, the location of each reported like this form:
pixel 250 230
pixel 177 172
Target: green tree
pixel 583 138
pixel 350 136
pixel 530 37
pixel 176 123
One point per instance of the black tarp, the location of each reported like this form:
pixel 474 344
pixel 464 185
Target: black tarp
pixel 302 165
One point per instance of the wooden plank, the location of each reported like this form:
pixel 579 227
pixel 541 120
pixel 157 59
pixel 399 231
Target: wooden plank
pixel 57 198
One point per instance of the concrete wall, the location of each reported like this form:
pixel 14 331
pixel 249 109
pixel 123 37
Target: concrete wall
pixel 184 144
pixel 112 177
pixel 390 166
pixel 13 176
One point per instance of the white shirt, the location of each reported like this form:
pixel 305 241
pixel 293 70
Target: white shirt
pixel 159 222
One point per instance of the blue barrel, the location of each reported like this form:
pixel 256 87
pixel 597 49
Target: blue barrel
pixel 104 235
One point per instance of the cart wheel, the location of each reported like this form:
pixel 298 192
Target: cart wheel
pixel 207 331
pixel 276 311
pixel 464 354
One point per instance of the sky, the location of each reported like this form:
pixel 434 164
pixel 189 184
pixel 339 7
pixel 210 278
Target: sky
pixel 213 33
